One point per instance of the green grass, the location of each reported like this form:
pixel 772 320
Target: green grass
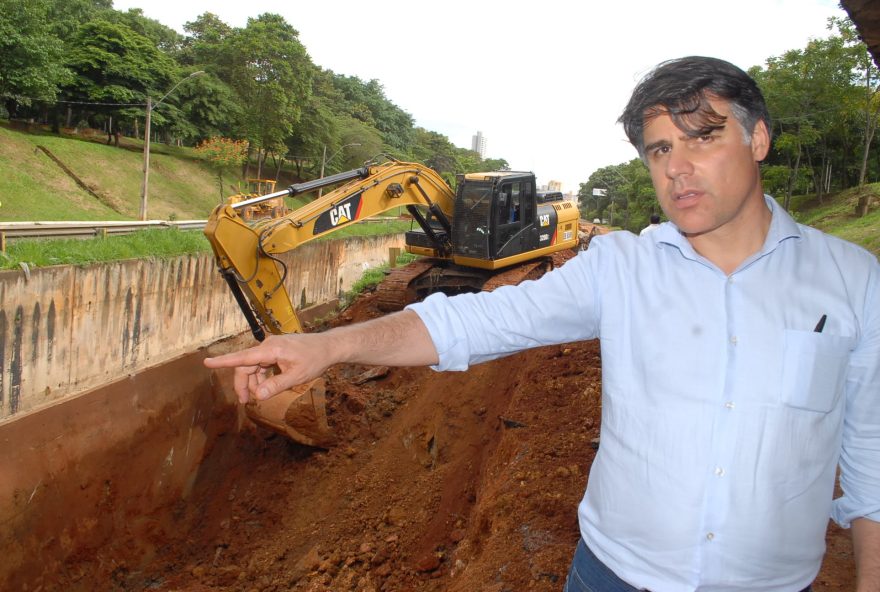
pixel 154 242
pixel 374 276
pixel 35 187
pixel 836 215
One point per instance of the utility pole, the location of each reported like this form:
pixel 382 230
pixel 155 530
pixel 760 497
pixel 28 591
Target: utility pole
pixel 146 182
pixel 145 186
pixel 325 160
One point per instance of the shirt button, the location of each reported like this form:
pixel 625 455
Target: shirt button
pixel 710 536
pixel 729 405
pixel 733 340
pixel 719 471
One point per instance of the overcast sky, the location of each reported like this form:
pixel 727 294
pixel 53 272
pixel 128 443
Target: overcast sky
pixel 544 81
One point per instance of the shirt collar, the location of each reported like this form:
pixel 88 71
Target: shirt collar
pixel 782 227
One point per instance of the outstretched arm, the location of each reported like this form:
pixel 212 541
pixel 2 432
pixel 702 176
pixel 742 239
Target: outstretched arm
pixel 866 547
pixel 399 339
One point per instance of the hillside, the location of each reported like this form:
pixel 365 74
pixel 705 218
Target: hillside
pixel 182 186
pixel 34 186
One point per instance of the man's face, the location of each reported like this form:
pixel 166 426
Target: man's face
pixel 710 182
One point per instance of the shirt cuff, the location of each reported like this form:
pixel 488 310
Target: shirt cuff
pixel 844 511
pixel 443 324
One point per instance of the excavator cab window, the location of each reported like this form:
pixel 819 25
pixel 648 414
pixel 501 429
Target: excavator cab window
pixel 515 214
pixel 473 219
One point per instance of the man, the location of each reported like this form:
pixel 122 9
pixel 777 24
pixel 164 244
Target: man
pixel 740 351
pixel 655 222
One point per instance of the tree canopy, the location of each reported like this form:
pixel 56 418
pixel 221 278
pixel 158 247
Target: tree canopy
pixel 80 62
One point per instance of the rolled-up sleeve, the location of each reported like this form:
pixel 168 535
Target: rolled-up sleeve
pixel 561 307
pixel 860 452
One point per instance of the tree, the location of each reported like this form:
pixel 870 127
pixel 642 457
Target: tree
pixel 207 35
pixel 223 153
pixel 32 67
pixel 867 102
pixel 271 73
pixel 436 151
pixel 366 101
pixel 166 39
pixel 115 66
pixel 628 192
pixel 823 101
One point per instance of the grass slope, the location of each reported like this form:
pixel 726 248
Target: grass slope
pixel 836 215
pixel 35 187
pixel 182 186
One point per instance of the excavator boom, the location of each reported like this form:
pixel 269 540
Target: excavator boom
pixel 247 255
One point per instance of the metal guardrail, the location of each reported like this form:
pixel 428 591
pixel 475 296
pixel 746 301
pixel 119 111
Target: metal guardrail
pixel 11 230
pixel 17 230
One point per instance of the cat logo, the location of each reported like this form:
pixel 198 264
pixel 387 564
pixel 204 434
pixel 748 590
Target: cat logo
pixel 340 214
pixel 544 219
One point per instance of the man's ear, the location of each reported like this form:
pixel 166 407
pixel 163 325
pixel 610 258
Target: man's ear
pixel 760 141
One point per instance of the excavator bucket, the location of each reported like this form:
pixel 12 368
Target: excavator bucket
pixel 298 413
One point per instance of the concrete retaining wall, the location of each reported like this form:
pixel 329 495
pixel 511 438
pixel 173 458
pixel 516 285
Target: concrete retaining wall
pixel 67 329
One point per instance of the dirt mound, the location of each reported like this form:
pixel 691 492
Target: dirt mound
pixel 441 482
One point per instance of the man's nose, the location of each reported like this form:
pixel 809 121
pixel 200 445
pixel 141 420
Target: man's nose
pixel 678 163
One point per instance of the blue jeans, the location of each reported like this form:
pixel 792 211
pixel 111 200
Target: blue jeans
pixel 588 574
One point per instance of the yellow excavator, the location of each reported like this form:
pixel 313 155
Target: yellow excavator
pixel 272 208
pixel 492 230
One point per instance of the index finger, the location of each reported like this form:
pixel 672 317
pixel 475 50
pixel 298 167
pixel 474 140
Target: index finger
pixel 249 357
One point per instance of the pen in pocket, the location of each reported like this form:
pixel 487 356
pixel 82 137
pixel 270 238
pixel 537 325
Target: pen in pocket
pixel 821 324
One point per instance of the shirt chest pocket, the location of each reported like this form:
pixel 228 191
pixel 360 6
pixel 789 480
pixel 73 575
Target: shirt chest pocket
pixel 814 369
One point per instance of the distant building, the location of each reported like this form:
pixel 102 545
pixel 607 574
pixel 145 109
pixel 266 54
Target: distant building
pixel 478 144
pixel 554 185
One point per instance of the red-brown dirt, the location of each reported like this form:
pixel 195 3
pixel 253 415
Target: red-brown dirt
pixel 441 482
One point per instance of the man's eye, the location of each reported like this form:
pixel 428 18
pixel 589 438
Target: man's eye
pixel 660 150
pixel 705 138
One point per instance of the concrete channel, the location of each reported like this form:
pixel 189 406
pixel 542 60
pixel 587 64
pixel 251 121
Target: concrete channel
pixel 106 411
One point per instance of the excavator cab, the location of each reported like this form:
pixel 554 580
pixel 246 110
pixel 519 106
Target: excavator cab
pixel 496 215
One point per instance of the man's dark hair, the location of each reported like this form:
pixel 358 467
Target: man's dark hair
pixel 682 88
pixel 655 218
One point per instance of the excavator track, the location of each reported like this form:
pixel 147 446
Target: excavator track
pixel 394 292
pixel 531 270
pixel 412 282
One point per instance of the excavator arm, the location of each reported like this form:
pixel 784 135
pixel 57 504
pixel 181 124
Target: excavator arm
pixel 247 256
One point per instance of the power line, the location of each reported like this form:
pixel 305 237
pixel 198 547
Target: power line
pixel 74 102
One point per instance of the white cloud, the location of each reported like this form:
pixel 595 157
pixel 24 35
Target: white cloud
pixel 544 81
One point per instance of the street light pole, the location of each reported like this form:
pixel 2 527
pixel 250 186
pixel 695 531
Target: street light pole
pixel 146 183
pixel 325 160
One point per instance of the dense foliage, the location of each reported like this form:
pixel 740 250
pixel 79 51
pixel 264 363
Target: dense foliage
pixel 80 63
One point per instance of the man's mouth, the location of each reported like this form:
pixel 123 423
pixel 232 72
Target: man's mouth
pixel 690 193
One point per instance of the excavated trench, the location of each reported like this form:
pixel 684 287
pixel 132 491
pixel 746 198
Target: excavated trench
pixel 455 481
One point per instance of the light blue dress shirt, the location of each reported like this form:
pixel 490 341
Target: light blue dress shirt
pixel 724 413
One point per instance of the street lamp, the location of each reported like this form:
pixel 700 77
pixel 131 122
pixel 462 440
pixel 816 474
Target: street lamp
pixel 325 160
pixel 150 107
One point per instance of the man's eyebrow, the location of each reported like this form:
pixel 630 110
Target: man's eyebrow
pixel 658 144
